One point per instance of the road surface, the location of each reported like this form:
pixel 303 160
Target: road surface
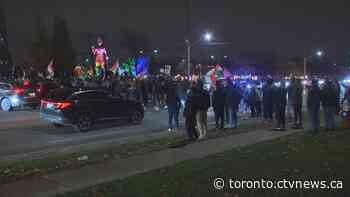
pixel 24 135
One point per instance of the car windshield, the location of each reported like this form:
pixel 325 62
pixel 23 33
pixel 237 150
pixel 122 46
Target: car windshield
pixel 60 94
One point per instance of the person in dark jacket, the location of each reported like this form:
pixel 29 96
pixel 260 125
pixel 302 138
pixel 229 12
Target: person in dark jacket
pixel 297 99
pixel 173 102
pixel 144 91
pixel 253 101
pixel 226 89
pixel 219 105
pixel 190 113
pixel 233 99
pixel 280 101
pixel 313 106
pixel 203 105
pixel 329 104
pixel 267 100
pixel 290 110
pixel 338 90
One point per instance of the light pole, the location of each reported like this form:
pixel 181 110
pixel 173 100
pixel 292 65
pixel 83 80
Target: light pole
pixel 207 37
pixel 319 53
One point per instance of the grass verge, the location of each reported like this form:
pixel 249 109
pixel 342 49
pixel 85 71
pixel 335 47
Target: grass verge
pixel 16 170
pixel 298 157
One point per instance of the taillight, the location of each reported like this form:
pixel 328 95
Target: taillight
pixel 62 105
pixel 55 105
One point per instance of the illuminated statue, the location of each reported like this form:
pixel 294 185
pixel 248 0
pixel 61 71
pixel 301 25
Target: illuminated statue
pixel 100 56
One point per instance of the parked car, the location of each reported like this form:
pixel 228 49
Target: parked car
pixel 82 109
pixel 14 96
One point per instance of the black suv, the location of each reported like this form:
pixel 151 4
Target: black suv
pixel 82 109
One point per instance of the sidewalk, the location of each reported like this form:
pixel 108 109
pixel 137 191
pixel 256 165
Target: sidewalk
pixel 69 180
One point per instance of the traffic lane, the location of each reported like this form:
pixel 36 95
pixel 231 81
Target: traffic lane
pixel 19 115
pixel 30 136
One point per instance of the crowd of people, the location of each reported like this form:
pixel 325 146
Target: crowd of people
pixel 274 102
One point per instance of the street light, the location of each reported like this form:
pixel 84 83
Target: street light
pixel 319 54
pixel 207 37
pixel 155 51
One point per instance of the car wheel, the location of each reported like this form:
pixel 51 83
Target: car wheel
pixel 136 117
pixel 57 125
pixel 6 104
pixel 84 122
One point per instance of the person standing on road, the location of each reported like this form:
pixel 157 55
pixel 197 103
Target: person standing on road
pixel 259 102
pixel 267 101
pixel 253 100
pixel 190 113
pixel 233 99
pixel 229 103
pixel 338 90
pixel 226 89
pixel 297 97
pixel 289 103
pixel 173 102
pixel 280 106
pixel 313 106
pixel 203 106
pixel 329 104
pixel 219 105
pixel 237 97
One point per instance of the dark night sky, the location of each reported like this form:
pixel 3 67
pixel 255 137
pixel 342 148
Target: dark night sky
pixel 284 26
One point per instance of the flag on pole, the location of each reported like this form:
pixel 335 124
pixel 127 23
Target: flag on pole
pixel 50 69
pixel 115 67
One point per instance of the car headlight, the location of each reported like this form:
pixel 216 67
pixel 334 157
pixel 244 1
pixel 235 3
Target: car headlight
pixel 15 100
pixel 344 114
